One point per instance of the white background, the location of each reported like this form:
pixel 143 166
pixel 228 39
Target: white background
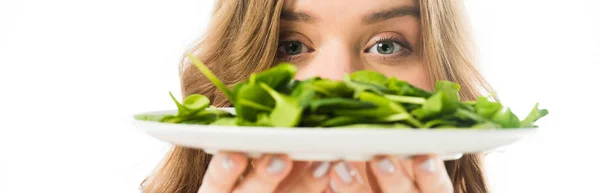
pixel 73 72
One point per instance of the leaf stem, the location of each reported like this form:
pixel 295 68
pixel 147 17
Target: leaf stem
pixel 405 99
pixel 211 76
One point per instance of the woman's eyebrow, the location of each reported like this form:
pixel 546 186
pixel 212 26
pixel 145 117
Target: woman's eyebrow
pixel 369 19
pixel 391 13
pixel 298 17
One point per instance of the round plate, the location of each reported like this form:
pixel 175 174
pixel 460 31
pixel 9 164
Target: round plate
pixel 322 144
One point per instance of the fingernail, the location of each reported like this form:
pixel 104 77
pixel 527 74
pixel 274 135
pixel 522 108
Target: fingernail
pixel 343 171
pixel 332 186
pixel 354 174
pixel 386 166
pixel 227 163
pixel 428 166
pixel 276 165
pixel 321 169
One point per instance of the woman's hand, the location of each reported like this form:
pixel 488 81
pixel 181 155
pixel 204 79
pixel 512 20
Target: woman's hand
pixel 280 174
pixel 269 174
pixel 424 174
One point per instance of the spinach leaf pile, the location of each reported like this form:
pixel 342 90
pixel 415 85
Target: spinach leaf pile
pixel 363 99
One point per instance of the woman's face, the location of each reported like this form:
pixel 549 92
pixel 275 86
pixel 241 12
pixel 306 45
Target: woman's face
pixel 334 37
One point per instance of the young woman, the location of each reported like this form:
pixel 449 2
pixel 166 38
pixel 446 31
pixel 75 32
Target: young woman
pixel 419 41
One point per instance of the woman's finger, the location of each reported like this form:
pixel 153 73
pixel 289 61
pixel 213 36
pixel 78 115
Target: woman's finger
pixel 223 172
pixel 393 175
pixel 268 172
pixel 313 179
pixel 431 175
pixel 297 170
pixel 346 179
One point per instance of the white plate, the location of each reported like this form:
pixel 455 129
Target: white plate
pixel 332 144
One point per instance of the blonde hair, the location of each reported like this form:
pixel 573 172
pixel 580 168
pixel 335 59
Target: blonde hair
pixel 243 38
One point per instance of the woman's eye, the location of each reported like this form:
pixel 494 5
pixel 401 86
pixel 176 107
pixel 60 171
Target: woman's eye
pixel 292 48
pixel 386 47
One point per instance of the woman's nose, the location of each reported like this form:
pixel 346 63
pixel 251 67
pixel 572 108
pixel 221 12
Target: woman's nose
pixel 331 62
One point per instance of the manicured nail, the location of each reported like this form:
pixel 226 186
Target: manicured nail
pixel 321 169
pixel 332 186
pixel 276 165
pixel 354 174
pixel 227 163
pixel 343 171
pixel 428 166
pixel 386 166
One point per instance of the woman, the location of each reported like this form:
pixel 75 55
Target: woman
pixel 418 41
